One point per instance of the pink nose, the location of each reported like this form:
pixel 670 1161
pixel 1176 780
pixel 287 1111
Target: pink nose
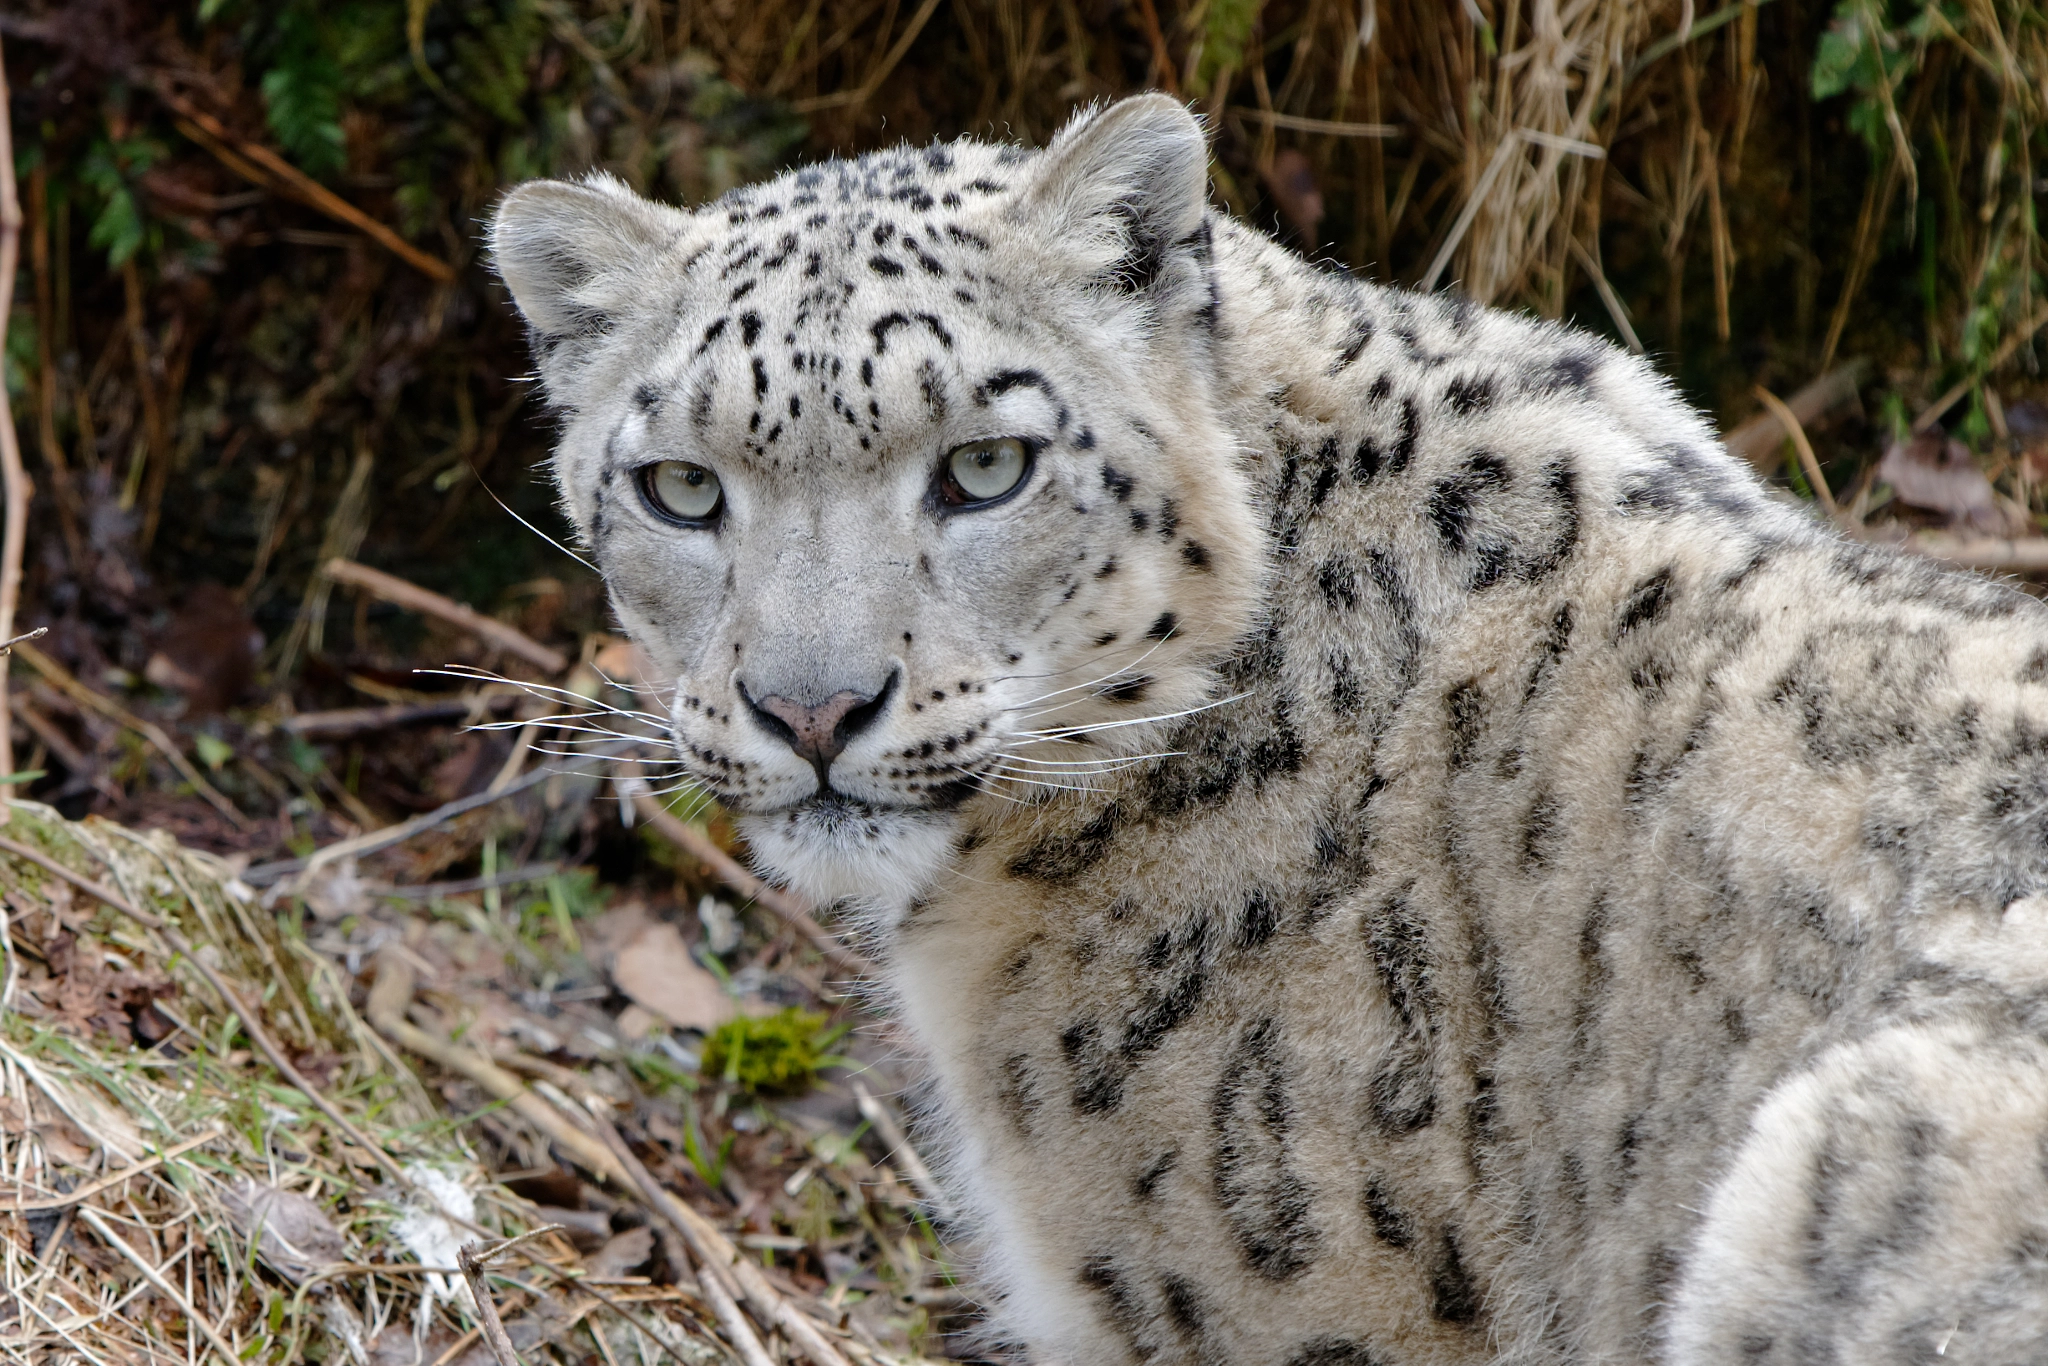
pixel 816 733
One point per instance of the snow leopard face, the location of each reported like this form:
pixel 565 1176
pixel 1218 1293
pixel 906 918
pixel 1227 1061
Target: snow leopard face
pixel 905 470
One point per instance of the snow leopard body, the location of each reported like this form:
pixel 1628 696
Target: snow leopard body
pixel 1393 846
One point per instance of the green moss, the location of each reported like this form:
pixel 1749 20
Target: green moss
pixel 779 1054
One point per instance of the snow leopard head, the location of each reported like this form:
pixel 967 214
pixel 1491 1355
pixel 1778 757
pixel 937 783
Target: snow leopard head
pixel 906 470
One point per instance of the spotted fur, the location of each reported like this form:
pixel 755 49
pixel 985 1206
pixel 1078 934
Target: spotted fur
pixel 1395 847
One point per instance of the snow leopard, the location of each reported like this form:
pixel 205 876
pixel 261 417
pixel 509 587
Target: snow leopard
pixel 1392 845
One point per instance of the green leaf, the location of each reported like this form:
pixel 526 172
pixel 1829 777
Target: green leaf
pixel 213 751
pixel 1224 37
pixel 25 776
pixel 302 93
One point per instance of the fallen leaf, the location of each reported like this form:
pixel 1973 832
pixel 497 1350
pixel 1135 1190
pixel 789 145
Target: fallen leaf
pixel 1939 474
pixel 654 967
pixel 620 1255
pixel 294 1236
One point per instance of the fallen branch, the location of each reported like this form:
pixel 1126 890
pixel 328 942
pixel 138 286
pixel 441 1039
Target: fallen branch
pixel 13 477
pixel 891 1133
pixel 1980 552
pixel 61 679
pixel 391 993
pixel 471 1258
pixel 346 721
pixel 391 588
pixel 261 166
pixel 369 843
pixel 718 1256
pixel 1933 411
pixel 1759 439
pixel 1808 461
pixel 727 869
pixel 252 1024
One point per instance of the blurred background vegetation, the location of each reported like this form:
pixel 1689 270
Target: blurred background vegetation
pixel 252 329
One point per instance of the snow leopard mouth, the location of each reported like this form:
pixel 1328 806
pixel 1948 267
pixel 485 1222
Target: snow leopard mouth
pixel 830 807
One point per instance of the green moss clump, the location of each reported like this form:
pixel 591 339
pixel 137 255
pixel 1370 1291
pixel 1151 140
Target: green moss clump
pixel 778 1054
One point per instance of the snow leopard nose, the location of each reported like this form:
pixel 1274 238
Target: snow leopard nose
pixel 819 731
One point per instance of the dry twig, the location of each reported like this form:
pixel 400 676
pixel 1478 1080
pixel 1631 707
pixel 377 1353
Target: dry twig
pixel 727 869
pixel 1759 439
pixel 391 588
pixel 1808 461
pixel 270 170
pixel 12 476
pixel 61 679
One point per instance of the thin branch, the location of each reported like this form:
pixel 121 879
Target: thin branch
pixel 1808 461
pixel 272 171
pixel 391 588
pixel 787 908
pixel 12 476
pixel 61 679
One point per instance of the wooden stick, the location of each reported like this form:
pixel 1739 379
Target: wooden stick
pixel 358 720
pixel 1758 439
pixel 1808 461
pixel 371 841
pixel 156 1278
pixel 391 992
pixel 494 1332
pixel 391 588
pixel 61 679
pixel 1161 57
pixel 282 174
pixel 891 1133
pixel 1933 411
pixel 718 1255
pixel 727 869
pixel 1981 552
pixel 13 477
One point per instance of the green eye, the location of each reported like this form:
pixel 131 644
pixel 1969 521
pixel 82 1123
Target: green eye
pixel 982 471
pixel 681 491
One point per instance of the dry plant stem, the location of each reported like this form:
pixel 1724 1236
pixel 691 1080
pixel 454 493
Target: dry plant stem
pixel 1296 123
pixel 391 993
pixel 149 1273
pixel 1932 413
pixel 179 945
pixel 873 82
pixel 1981 552
pixel 470 1259
pixel 88 1191
pixel 347 721
pixel 371 842
pixel 12 476
pixel 720 1258
pixel 283 174
pixel 393 589
pixel 891 1133
pixel 487 1311
pixel 61 679
pixel 728 870
pixel 1162 59
pixel 1759 439
pixel 1808 461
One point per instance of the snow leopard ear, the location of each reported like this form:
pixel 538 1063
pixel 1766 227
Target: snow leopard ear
pixel 1130 181
pixel 575 254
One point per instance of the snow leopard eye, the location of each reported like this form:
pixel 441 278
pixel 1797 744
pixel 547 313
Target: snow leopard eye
pixel 982 471
pixel 679 491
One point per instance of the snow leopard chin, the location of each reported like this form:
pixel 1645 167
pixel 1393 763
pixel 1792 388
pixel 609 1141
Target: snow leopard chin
pixel 878 859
